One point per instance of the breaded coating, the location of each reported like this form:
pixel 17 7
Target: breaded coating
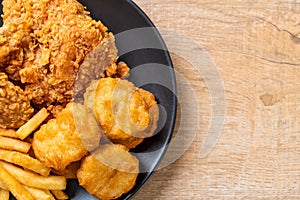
pixel 70 172
pixel 14 34
pixel 126 114
pixel 66 139
pixel 43 43
pixel 120 70
pixel 10 51
pixel 15 106
pixel 95 65
pixel 109 172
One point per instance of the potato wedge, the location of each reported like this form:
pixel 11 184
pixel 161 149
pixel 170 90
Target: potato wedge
pixel 34 180
pixel 14 186
pixel 14 144
pixel 32 124
pixel 25 161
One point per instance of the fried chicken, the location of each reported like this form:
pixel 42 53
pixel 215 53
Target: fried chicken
pixel 14 34
pixel 53 50
pixel 109 172
pixel 126 114
pixel 66 139
pixel 15 106
pixel 43 43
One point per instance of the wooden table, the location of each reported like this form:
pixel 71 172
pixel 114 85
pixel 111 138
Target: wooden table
pixel 255 46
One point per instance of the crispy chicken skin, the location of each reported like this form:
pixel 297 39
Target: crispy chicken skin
pixel 43 43
pixel 64 140
pixel 14 34
pixel 15 107
pixel 109 172
pixel 126 114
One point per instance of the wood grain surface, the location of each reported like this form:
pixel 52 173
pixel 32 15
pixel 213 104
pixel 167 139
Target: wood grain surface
pixel 255 46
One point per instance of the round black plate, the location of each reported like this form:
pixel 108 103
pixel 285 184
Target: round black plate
pixel 124 15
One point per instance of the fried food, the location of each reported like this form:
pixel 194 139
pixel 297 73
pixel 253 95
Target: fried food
pixel 15 106
pixel 64 140
pixel 70 171
pixel 43 43
pixel 126 114
pixel 109 172
pixel 4 194
pixel 50 52
pixel 34 180
pixel 60 195
pixel 96 63
pixel 13 38
pixel 8 133
pixel 14 144
pixel 32 124
pixel 25 161
pixel 39 193
pixel 12 184
pixel 3 186
pixel 120 70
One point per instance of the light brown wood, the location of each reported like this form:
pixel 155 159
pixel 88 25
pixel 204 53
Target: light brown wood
pixel 255 46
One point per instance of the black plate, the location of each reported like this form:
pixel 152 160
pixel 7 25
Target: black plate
pixel 120 16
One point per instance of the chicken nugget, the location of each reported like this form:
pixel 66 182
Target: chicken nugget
pixel 66 139
pixel 126 114
pixel 109 172
pixel 70 171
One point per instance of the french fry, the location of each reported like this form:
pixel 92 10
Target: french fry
pixel 36 193
pixel 16 188
pixel 25 161
pixel 8 133
pixel 34 180
pixel 3 186
pixel 40 194
pixel 14 144
pixel 32 124
pixel 4 194
pixel 60 195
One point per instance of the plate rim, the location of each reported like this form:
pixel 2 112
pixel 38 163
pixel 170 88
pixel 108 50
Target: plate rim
pixel 139 10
